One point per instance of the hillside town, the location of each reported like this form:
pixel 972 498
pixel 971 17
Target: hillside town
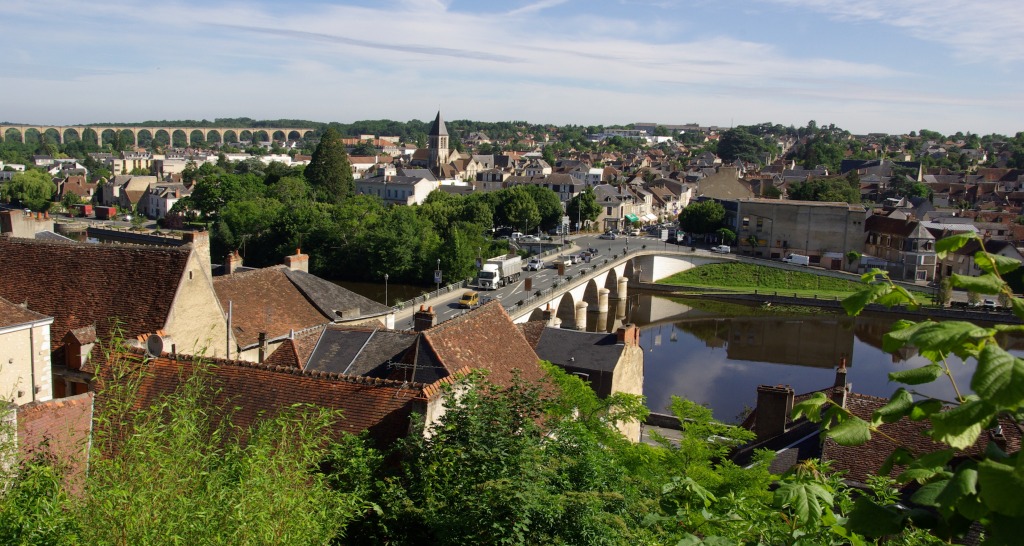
pixel 172 250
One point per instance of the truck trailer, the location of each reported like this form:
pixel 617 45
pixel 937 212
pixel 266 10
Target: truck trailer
pixel 499 271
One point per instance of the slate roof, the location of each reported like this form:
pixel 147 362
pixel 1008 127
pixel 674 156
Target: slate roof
pixel 359 351
pixel 437 128
pixel 257 391
pixel 599 352
pixel 13 315
pixel 85 284
pixel 333 300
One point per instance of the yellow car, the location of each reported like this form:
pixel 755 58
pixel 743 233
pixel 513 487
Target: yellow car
pixel 469 300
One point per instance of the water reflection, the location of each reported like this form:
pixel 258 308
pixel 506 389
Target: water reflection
pixel 718 353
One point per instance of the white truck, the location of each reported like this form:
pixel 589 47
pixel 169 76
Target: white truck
pixel 797 259
pixel 499 271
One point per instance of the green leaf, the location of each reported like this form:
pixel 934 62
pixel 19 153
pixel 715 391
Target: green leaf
pixel 961 426
pixel 929 493
pixel 899 456
pixel 856 302
pixel 1018 307
pixel 873 274
pixel 952 243
pixel 900 404
pixel 900 334
pixel 999 378
pixel 1004 531
pixel 806 500
pixel 868 518
pixel 990 263
pixel 689 540
pixel 916 376
pixel 810 407
pixel 961 486
pixel 985 284
pixel 926 466
pixel 1001 486
pixel 924 409
pixel 851 431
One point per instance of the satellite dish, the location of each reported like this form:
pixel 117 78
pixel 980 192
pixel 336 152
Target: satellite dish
pixel 154 346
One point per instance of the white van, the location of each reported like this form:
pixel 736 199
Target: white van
pixel 797 259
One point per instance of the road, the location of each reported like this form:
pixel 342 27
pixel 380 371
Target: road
pixel 446 306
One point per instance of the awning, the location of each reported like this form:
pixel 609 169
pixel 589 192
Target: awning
pixel 632 218
pixel 650 217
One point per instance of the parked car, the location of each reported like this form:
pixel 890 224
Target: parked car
pixel 529 239
pixel 534 265
pixel 592 251
pixel 607 235
pixel 469 300
pixel 721 249
pixel 990 304
pixel 635 232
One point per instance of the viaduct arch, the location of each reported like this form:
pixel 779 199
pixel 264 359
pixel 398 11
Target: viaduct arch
pixel 192 134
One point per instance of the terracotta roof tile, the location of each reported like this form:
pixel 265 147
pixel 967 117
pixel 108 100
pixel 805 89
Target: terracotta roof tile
pixel 82 284
pixel 258 391
pixel 265 300
pixel 63 427
pixel 11 314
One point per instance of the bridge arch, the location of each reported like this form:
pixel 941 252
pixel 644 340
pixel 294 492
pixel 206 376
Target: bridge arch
pixel 196 136
pixel 259 135
pixel 279 135
pixel 230 136
pixel 566 310
pixel 51 133
pixel 213 136
pixel 70 134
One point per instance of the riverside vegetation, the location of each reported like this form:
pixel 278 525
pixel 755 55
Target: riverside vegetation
pixel 515 466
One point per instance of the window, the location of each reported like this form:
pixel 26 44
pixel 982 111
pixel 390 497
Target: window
pixel 760 223
pixel 609 211
pixel 746 221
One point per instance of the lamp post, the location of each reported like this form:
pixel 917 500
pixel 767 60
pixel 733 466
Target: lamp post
pixel 385 289
pixel 437 275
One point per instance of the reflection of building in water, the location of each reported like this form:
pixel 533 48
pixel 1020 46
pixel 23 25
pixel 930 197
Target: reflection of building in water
pixel 872 331
pixel 796 340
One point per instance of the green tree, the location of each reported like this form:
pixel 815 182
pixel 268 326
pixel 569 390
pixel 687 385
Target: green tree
pixel 739 143
pixel 702 217
pixel 549 206
pixel 329 172
pixel 583 208
pixel 518 209
pixel 31 189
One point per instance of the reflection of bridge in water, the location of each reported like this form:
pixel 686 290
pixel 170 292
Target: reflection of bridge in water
pixel 62 133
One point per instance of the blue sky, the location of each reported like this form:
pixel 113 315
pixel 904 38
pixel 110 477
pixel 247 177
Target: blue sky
pixel 865 65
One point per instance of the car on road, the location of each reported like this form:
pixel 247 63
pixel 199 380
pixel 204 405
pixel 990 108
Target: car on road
pixel 635 232
pixel 721 249
pixel 989 304
pixel 607 235
pixel 534 265
pixel 469 300
pixel 529 239
pixel 592 251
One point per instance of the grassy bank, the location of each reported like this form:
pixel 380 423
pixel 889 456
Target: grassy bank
pixel 749 277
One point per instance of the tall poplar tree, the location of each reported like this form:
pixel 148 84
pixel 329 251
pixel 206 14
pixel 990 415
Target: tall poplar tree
pixel 329 173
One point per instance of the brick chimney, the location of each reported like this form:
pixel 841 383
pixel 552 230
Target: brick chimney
pixel 424 319
pixel 774 405
pixel 839 387
pixel 297 261
pixel 200 241
pixel 232 262
pixel 628 334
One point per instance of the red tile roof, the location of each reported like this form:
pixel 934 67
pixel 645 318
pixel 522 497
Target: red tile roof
pixel 485 338
pixel 62 427
pixel 257 391
pixel 82 284
pixel 11 314
pixel 265 300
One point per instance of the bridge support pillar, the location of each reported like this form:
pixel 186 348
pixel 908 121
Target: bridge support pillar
pixel 623 292
pixel 620 309
pixel 549 315
pixel 581 315
pixel 602 300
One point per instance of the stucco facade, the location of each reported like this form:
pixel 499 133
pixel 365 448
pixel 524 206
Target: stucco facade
pixel 25 360
pixel 772 228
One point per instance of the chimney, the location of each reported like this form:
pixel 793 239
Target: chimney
pixel 774 405
pixel 200 241
pixel 232 262
pixel 628 334
pixel 297 261
pixel 839 387
pixel 263 347
pixel 424 319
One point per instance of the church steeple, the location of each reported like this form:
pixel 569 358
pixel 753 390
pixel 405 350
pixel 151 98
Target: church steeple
pixel 437 143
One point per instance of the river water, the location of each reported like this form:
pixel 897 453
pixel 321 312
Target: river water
pixel 717 353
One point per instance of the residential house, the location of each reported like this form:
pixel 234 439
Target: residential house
pixel 131 291
pixel 26 225
pixel 159 198
pixel 126 191
pixel 60 429
pixel 268 306
pixel 24 355
pixel 961 261
pixel 536 167
pixel 618 206
pixel 131 162
pixel 723 183
pixel 400 190
pixel 77 185
pixel 905 246
pixel 609 363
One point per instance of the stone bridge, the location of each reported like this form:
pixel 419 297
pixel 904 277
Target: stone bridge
pixel 61 133
pixel 602 289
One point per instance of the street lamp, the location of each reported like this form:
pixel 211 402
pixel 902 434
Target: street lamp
pixel 385 289
pixel 437 275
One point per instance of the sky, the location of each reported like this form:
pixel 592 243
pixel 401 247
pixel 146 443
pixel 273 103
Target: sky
pixel 888 66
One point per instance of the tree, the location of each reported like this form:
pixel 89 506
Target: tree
pixel 329 172
pixel 548 205
pixel 365 147
pixel 739 143
pixel 583 208
pixel 517 209
pixel 726 235
pixel 825 189
pixel 31 189
pixel 702 217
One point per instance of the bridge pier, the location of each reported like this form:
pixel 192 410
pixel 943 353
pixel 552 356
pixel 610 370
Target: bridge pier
pixel 581 316
pixel 623 292
pixel 620 309
pixel 602 300
pixel 549 316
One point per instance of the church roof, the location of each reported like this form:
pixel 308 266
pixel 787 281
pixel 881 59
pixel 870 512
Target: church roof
pixel 438 128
